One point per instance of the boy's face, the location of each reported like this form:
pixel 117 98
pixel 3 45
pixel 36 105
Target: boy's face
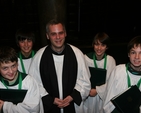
pixel 9 70
pixel 26 46
pixel 135 56
pixel 99 49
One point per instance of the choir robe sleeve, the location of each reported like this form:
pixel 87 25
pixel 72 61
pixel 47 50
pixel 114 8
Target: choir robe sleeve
pixel 35 71
pixel 32 102
pixel 116 84
pixel 111 64
pixel 83 74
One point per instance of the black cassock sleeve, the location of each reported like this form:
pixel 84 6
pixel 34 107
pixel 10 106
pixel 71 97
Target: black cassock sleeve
pixel 76 97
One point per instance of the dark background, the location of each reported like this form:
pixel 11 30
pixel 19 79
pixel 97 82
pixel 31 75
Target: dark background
pixel 120 19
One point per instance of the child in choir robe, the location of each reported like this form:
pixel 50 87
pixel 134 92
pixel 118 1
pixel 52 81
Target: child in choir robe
pixel 100 64
pixel 11 79
pixel 25 39
pixel 125 75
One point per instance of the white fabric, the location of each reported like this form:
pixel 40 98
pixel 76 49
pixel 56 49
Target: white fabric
pixel 32 102
pixel 58 60
pixel 95 104
pixel 117 84
pixel 26 63
pixel 59 66
pixel 82 83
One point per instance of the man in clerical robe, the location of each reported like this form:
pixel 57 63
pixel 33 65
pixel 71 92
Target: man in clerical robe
pixel 61 69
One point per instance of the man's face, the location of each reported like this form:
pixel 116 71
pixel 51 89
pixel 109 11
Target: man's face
pixel 9 70
pixel 56 36
pixel 135 56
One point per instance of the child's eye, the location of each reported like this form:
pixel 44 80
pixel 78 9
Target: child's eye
pixel 29 40
pixel 132 52
pixel 14 65
pixel 96 44
pixel 5 68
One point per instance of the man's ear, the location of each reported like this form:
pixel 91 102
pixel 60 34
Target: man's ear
pixel 47 36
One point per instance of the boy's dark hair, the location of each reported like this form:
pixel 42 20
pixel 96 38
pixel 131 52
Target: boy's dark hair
pixel 23 34
pixel 7 54
pixel 102 37
pixel 136 41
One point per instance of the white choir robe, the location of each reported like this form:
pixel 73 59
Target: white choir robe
pixel 26 63
pixel 32 102
pixel 95 104
pixel 117 84
pixel 82 82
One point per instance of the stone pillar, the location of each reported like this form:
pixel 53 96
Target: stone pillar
pixel 47 10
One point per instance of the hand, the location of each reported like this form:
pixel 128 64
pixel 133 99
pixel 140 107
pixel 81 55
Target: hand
pixel 93 92
pixel 1 104
pixel 58 101
pixel 66 102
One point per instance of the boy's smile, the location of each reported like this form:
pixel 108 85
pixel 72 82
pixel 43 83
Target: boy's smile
pixel 9 70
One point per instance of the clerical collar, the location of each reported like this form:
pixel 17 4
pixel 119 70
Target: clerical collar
pixel 58 53
pixel 133 71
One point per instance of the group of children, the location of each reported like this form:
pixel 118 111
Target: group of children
pixel 14 74
pixel 118 78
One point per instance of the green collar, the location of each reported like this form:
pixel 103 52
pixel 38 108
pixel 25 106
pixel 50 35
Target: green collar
pixel 105 60
pixel 21 59
pixel 128 77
